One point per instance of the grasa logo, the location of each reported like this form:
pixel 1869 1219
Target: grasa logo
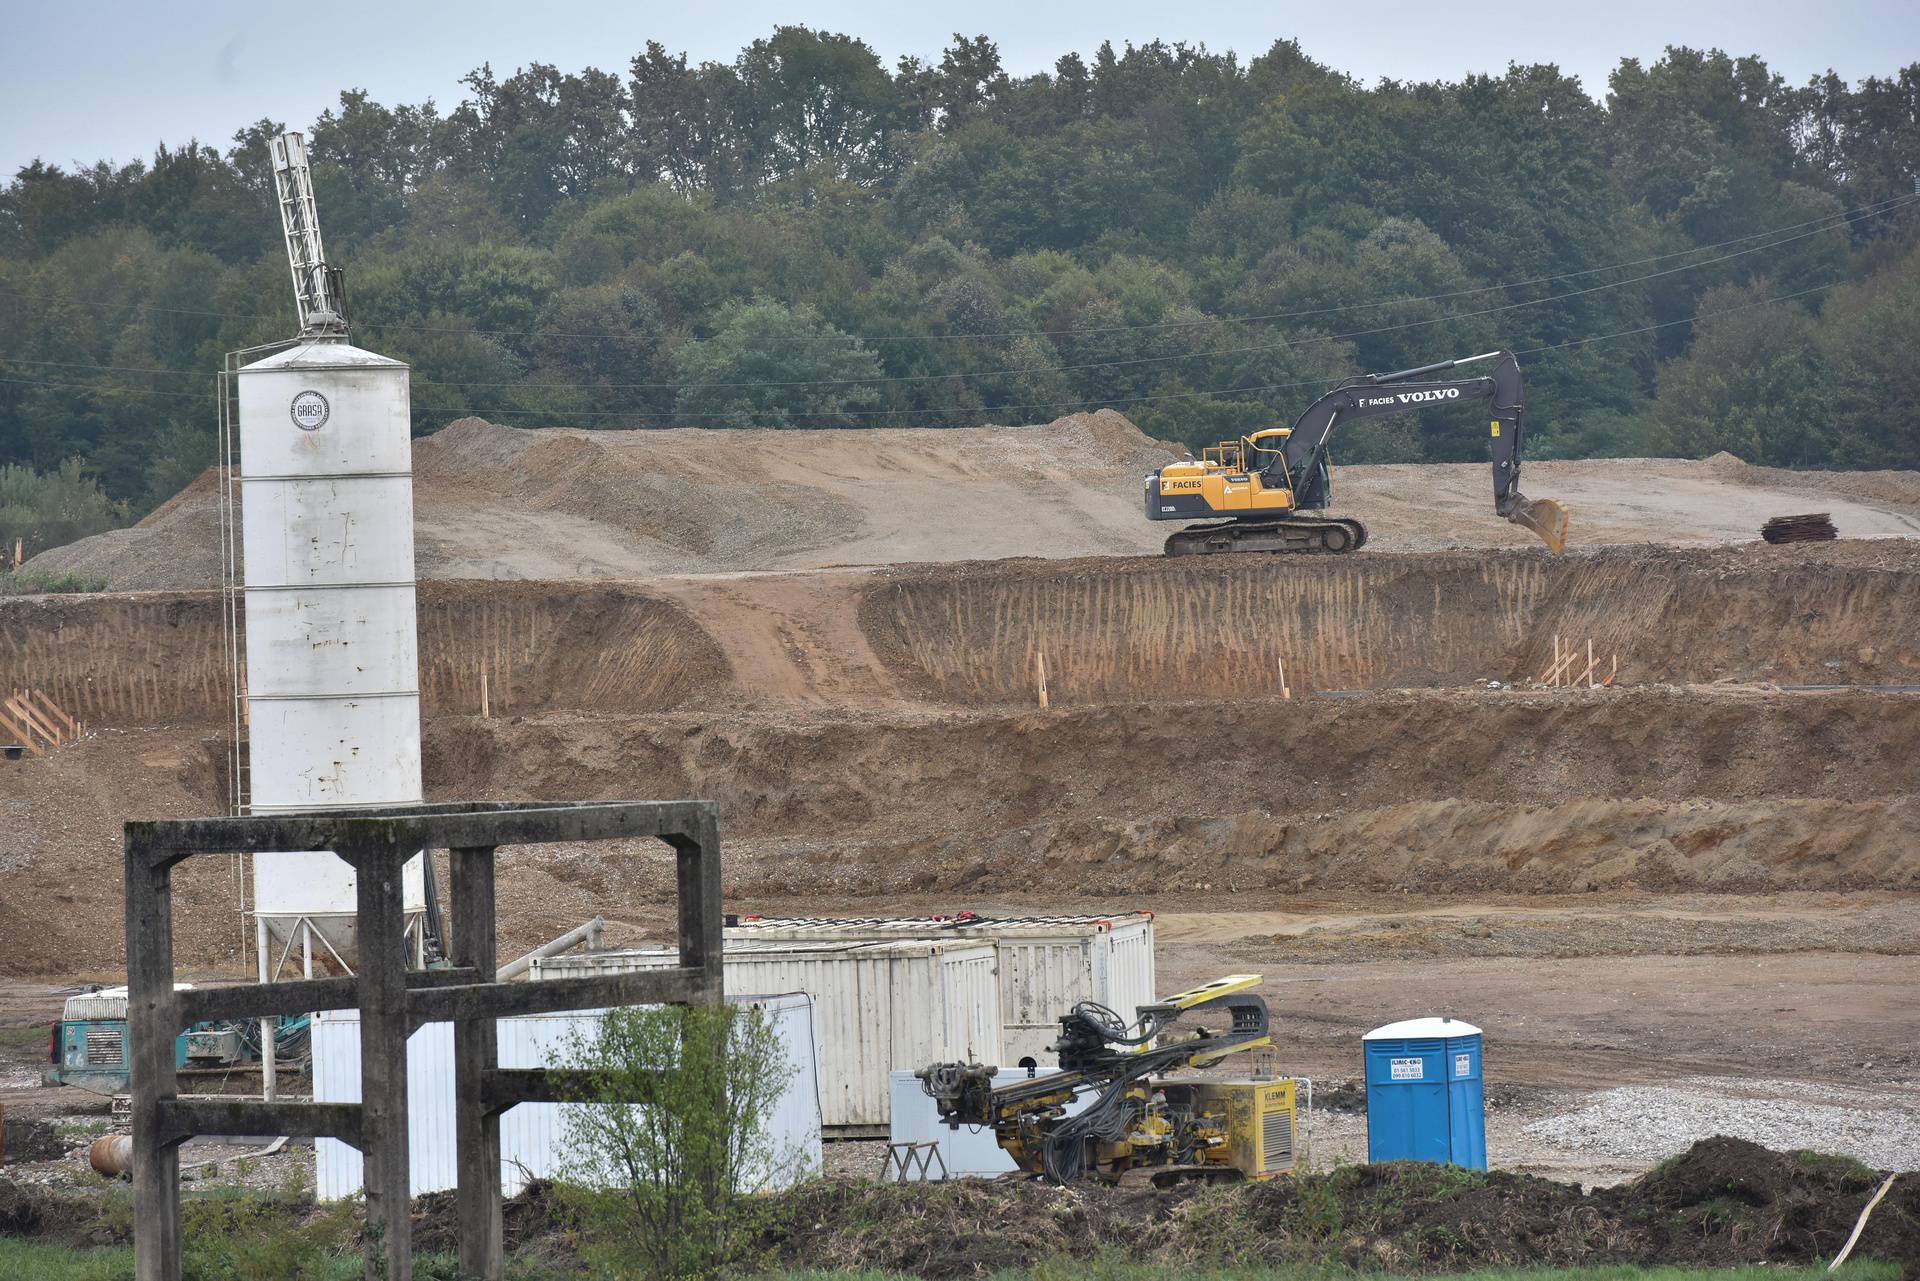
pixel 310 411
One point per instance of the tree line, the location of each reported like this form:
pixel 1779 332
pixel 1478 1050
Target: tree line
pixel 1704 257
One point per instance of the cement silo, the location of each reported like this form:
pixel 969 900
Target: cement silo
pixel 326 532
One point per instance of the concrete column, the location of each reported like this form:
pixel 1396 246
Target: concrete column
pixel 476 1052
pixel 383 1058
pixel 152 1026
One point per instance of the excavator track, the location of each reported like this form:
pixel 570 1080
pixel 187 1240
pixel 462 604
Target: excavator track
pixel 1313 535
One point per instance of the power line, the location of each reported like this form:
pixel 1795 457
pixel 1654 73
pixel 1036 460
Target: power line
pixel 1827 222
pixel 1073 404
pixel 1179 395
pixel 101 388
pixel 1130 362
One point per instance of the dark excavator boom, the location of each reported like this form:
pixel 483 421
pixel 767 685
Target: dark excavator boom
pixel 1374 394
pixel 1267 487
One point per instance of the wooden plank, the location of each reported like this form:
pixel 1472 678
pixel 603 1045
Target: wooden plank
pixel 53 711
pixel 19 735
pixel 18 707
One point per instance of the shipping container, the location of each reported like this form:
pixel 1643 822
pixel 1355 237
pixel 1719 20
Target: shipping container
pixel 877 1007
pixel 533 1135
pixel 1047 963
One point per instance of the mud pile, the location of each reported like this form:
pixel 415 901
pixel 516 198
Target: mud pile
pixel 1723 1203
pixel 523 503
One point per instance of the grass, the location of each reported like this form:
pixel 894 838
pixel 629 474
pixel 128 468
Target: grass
pixel 53 1263
pixel 24 584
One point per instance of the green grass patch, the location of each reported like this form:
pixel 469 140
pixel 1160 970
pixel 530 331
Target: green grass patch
pixel 295 1260
pixel 20 583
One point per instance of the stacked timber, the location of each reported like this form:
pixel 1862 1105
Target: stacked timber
pixel 1817 527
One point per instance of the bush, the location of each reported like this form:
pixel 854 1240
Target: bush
pixel 670 1140
pixel 46 509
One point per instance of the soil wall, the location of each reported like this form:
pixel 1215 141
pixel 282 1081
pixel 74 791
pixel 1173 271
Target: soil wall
pixel 1154 628
pixel 151 659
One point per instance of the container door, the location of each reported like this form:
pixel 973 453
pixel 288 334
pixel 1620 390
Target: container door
pixel 1466 1105
pixel 1407 1102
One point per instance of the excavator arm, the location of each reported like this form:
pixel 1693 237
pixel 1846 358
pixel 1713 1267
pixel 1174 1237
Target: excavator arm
pixel 1305 452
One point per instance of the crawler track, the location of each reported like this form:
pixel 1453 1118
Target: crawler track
pixel 1309 534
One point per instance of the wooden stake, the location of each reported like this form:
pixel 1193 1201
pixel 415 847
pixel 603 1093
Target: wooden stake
pixel 1589 662
pixel 1040 666
pixel 1284 691
pixel 19 552
pixel 484 709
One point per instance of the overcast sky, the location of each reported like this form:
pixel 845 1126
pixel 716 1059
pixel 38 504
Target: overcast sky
pixel 113 78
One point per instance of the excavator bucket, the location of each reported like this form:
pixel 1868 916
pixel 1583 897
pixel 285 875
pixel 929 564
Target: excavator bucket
pixel 1546 518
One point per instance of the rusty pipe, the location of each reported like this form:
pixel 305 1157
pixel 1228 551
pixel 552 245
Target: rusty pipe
pixel 111 1156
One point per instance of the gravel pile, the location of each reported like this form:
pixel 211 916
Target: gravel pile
pixel 1650 1123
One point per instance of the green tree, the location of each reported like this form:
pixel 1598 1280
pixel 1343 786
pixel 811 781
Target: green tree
pixel 767 365
pixel 668 1143
pixel 47 509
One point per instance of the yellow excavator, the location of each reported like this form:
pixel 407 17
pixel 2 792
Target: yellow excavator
pixel 1124 1106
pixel 1261 483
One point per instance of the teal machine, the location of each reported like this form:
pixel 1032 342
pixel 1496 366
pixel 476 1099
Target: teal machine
pixel 87 1048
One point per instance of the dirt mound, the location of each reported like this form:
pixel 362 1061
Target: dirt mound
pixel 175 548
pixel 1722 1203
pixel 506 502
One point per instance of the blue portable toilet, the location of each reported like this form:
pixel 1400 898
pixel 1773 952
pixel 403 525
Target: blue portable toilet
pixel 1424 1096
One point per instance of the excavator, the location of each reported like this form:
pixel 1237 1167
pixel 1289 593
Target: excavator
pixel 1262 482
pixel 1120 1110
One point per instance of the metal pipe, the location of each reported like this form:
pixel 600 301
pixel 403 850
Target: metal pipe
pixel 572 938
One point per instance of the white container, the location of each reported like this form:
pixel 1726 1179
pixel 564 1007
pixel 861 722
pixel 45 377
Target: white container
pixel 532 1135
pixel 333 700
pixel 877 1007
pixel 1047 963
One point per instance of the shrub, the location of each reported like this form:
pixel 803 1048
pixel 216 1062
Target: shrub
pixel 669 1141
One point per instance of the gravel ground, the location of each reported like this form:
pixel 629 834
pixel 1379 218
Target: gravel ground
pixel 1644 1124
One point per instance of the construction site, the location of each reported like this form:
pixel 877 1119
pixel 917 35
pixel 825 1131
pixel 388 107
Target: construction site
pixel 1676 885
pixel 941 753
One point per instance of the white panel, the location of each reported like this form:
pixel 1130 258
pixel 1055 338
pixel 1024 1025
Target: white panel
pixel 877 1007
pixel 532 1135
pixel 971 1151
pixel 320 752
pixel 338 531
pixel 303 883
pixel 1046 964
pixel 310 643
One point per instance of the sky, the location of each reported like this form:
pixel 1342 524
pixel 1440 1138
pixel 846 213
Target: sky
pixel 112 79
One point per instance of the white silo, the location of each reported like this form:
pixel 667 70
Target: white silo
pixel 326 479
pixel 326 533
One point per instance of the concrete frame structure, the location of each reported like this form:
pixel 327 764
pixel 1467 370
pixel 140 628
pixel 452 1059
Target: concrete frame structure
pixel 393 1000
